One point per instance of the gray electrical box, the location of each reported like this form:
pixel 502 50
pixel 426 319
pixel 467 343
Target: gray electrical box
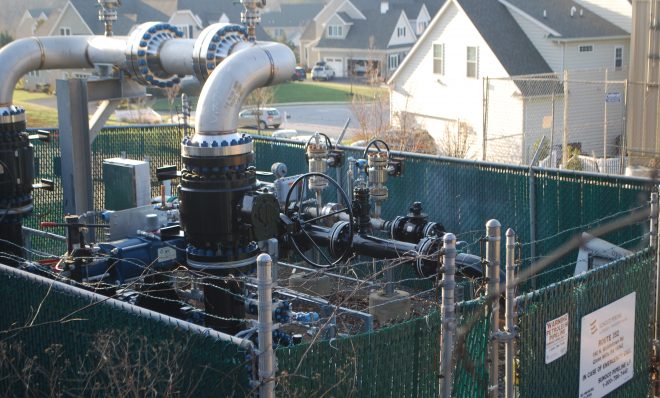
pixel 127 183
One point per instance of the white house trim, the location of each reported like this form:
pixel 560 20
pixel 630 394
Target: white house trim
pixel 434 21
pixel 410 30
pixel 59 19
pixel 578 39
pixel 194 17
pixel 530 18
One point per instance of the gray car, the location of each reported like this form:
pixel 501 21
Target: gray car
pixel 267 117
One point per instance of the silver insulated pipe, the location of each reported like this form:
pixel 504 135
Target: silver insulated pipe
pixel 250 66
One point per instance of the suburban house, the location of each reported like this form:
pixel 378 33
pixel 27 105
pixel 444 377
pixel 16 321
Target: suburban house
pixel 287 22
pixel 356 37
pixel 80 17
pixel 510 57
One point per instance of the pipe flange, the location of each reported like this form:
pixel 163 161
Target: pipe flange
pixel 213 45
pixel 216 145
pixel 11 114
pixel 427 260
pixel 143 49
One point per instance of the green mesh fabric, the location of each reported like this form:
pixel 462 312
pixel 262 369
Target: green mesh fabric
pixel 473 329
pixel 74 346
pixel 578 297
pixel 398 361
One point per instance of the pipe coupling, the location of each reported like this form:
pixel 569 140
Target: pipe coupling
pixel 143 54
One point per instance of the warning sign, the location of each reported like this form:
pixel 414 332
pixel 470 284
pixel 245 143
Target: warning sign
pixel 556 338
pixel 607 346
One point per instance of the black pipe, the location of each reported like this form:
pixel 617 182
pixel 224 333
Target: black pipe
pixel 16 175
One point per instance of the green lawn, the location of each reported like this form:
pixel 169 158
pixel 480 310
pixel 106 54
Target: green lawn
pixel 40 116
pixel 307 91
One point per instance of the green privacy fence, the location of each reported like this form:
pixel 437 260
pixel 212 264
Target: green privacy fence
pixel 397 361
pixel 578 297
pixel 57 340
pixel 462 195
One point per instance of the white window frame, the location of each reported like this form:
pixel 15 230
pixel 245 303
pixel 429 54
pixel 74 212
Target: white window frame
pixel 336 31
pixel 401 31
pixel 393 61
pixel 421 26
pixel 439 59
pixel 586 48
pixel 469 62
pixel 618 58
pixel 65 31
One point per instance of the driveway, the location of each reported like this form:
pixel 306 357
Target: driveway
pixel 324 118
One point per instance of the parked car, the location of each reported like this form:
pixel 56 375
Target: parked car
pixel 324 72
pixel 267 117
pixel 299 74
pixel 285 133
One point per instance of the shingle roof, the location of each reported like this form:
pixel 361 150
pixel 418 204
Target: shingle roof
pixel 505 38
pixel 291 15
pixel 558 18
pixel 373 33
pixel 35 12
pixel 210 11
pixel 89 10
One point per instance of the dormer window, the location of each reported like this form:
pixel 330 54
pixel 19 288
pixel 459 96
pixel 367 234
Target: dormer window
pixel 335 31
pixel 421 26
pixel 401 31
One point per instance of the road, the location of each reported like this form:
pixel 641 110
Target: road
pixel 324 118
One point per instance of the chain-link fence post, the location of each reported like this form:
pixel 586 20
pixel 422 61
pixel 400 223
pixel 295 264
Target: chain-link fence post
pixel 493 238
pixel 447 314
pixel 266 353
pixel 510 311
pixel 653 242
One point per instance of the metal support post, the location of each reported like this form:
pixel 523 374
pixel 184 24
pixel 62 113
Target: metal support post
pixel 493 237
pixel 75 146
pixel 510 310
pixel 532 201
pixel 653 242
pixel 447 314
pixel 274 252
pixel 266 353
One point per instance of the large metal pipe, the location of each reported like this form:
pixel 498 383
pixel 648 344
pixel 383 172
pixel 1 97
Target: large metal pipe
pixel 241 73
pixel 58 52
pixel 176 56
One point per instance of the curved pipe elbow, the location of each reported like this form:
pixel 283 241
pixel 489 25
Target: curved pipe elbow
pixel 250 67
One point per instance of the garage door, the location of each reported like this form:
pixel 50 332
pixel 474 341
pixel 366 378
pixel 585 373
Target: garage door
pixel 337 64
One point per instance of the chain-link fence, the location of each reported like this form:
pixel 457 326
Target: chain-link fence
pixel 578 112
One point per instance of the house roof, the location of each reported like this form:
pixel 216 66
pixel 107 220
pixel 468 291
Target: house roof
pixel 503 35
pixel 505 38
pixel 35 12
pixel 210 12
pixel 373 33
pixel 291 15
pixel 558 18
pixel 128 14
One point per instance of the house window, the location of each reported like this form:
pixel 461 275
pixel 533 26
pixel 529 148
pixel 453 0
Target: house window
pixel 472 62
pixel 421 26
pixel 394 61
pixel 335 31
pixel 618 58
pixel 401 31
pixel 439 59
pixel 278 33
pixel 64 31
pixel 586 48
pixel 34 73
pixel 187 30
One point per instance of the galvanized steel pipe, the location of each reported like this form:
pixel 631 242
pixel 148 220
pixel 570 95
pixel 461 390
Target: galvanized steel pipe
pixel 447 314
pixel 493 238
pixel 266 353
pixel 510 311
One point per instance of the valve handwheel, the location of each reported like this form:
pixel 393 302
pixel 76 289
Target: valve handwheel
pixel 301 236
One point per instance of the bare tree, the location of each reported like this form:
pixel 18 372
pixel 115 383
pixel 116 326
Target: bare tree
pixel 258 100
pixel 456 140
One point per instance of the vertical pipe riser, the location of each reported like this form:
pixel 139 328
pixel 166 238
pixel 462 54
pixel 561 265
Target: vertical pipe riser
pixel 447 314
pixel 510 311
pixel 493 238
pixel 265 328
